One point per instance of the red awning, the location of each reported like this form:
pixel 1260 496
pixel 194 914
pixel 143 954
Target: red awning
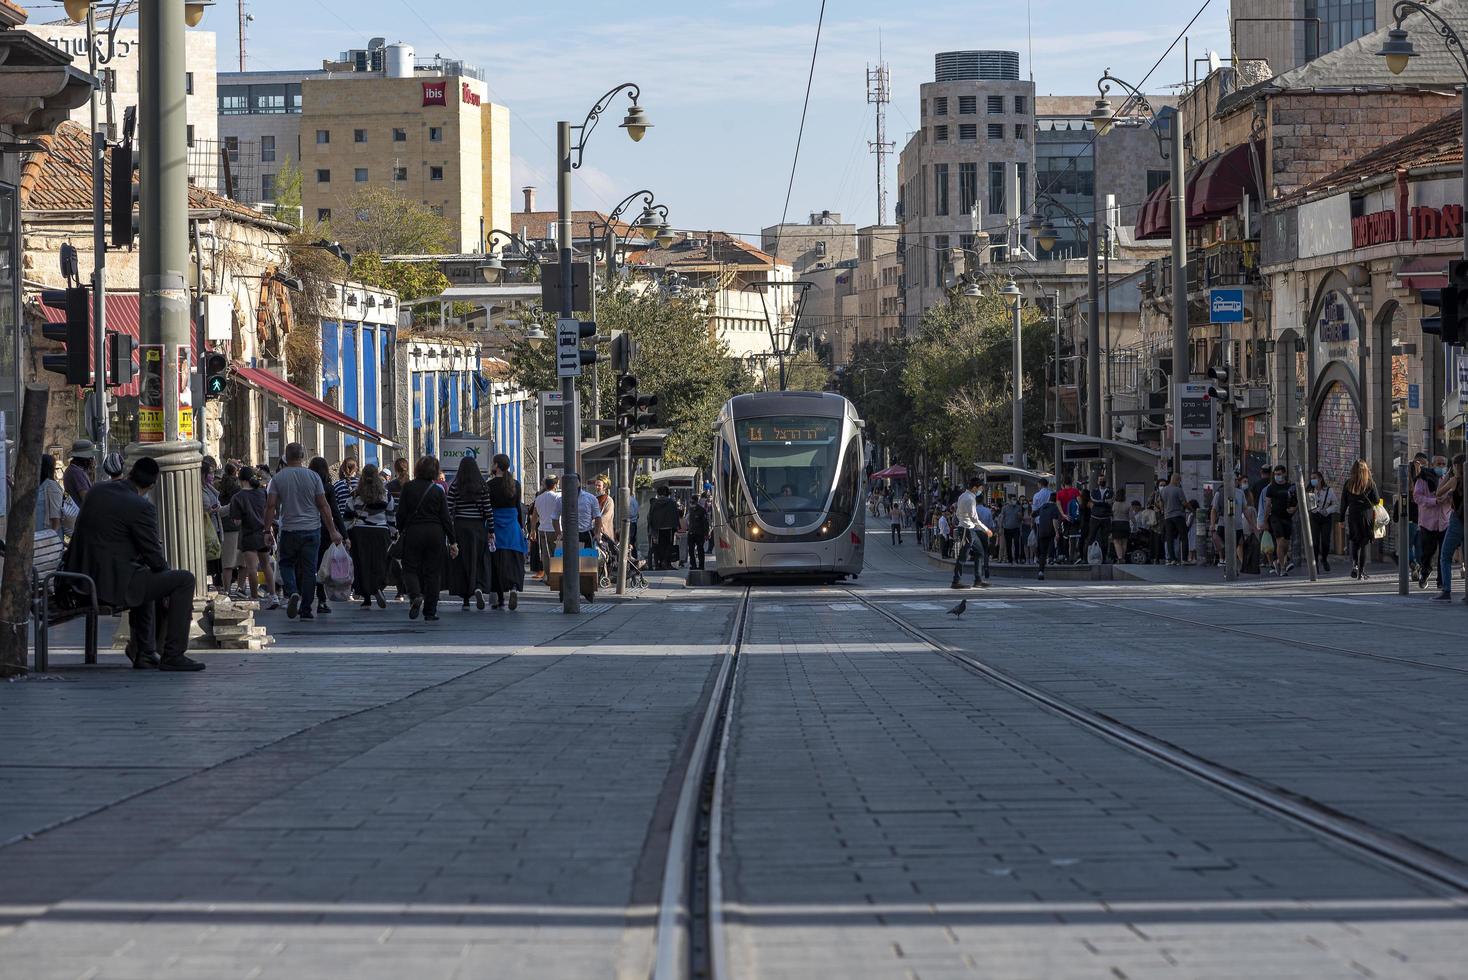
pixel 277 387
pixel 897 472
pixel 1429 272
pixel 124 316
pixel 1154 220
pixel 1220 183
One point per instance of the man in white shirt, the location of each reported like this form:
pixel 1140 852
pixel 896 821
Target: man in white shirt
pixel 1040 498
pixel 547 520
pixel 973 534
pixel 986 518
pixel 588 519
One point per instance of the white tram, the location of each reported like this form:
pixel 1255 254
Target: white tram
pixel 789 486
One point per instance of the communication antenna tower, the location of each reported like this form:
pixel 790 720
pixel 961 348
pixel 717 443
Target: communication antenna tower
pixel 879 94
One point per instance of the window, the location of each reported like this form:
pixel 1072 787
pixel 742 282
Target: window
pixel 267 187
pixel 231 104
pixel 995 104
pixel 996 131
pixel 436 209
pixel 968 105
pixel 996 188
pixel 323 176
pixel 1019 131
pixel 968 186
pixel 359 136
pixel 189 131
pixel 1023 175
pixel 940 188
pixel 435 134
pixel 267 149
pixel 188 83
pixel 940 105
pixel 323 214
pixel 1019 104
pixel 400 136
pixel 940 260
pixel 940 134
pixel 232 148
pixel 1156 179
pixel 400 173
pixel 435 173
pixel 323 136
pixel 968 131
pixel 360 175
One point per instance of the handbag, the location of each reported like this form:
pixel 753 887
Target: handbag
pixel 69 513
pixel 213 550
pixel 395 550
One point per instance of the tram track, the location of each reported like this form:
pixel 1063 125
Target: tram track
pixel 689 939
pixel 1402 854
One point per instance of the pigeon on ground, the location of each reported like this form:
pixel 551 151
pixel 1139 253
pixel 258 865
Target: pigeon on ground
pixel 957 611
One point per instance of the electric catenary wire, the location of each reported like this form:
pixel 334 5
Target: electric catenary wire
pixel 800 133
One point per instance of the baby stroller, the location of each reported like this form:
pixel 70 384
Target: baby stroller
pixel 610 554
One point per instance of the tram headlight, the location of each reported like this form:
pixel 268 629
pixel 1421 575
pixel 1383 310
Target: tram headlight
pixel 754 530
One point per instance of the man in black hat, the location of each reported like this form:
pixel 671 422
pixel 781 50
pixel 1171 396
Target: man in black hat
pixel 77 479
pixel 117 544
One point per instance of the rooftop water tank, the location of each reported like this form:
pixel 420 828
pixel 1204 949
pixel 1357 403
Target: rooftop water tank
pixel 399 60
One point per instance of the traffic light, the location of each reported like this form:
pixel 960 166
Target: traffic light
pixel 626 403
pixel 215 366
pixel 124 197
pixel 76 361
pixel 587 329
pixel 120 370
pixel 1454 306
pixel 1219 391
pixel 647 416
pixel 1432 299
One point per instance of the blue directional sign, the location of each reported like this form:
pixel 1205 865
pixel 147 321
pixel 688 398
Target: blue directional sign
pixel 1225 306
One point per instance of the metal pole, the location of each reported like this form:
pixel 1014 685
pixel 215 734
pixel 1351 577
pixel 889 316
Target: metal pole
pixel 1230 532
pixel 163 259
pixel 624 511
pixel 99 257
pixel 1106 319
pixel 570 479
pixel 1465 169
pixel 1056 396
pixel 1180 349
pixel 1017 437
pixel 1093 309
pixel 1404 540
pixel 1307 532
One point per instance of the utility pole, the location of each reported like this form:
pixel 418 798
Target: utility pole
pixel 571 410
pixel 167 434
pixel 245 19
pixel 1181 360
pixel 99 254
pixel 879 94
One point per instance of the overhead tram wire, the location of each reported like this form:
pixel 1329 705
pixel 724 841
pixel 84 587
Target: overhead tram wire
pixel 800 133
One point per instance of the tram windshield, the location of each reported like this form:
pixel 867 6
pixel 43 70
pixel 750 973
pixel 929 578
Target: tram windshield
pixel 789 464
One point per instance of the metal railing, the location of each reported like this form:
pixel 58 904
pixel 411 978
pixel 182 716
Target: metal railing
pixel 1229 263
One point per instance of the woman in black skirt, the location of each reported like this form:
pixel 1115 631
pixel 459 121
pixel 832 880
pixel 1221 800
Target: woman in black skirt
pixel 508 560
pixel 321 468
pixel 423 521
pixel 469 506
pixel 370 509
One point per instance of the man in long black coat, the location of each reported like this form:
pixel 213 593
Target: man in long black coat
pixel 116 542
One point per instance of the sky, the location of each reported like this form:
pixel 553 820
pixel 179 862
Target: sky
pixel 723 80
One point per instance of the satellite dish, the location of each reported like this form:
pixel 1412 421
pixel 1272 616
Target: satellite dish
pixel 1214 62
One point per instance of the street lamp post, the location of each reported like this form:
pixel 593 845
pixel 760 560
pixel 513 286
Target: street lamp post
pixel 636 124
pixel 164 256
pixel 1011 291
pixel 1398 51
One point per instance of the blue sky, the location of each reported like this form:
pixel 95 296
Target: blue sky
pixel 723 80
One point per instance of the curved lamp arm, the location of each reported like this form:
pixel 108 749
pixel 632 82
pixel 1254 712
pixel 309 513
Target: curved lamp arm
pixel 602 104
pixel 1397 42
pixel 1103 118
pixel 529 252
pixel 1134 94
pixel 647 202
pixel 1047 204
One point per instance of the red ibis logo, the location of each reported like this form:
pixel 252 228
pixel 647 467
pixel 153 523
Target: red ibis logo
pixel 470 96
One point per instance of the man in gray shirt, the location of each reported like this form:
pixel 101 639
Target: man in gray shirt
pixel 298 498
pixel 1175 522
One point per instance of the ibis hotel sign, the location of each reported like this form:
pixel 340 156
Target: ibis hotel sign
pixel 1416 224
pixel 436 92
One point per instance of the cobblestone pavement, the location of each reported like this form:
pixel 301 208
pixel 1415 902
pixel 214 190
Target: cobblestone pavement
pixel 489 796
pixel 484 796
pixel 890 813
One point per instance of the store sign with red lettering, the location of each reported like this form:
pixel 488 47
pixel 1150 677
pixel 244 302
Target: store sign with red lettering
pixel 435 93
pixel 1423 223
pixel 470 97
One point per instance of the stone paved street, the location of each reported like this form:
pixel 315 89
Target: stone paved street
pixel 492 795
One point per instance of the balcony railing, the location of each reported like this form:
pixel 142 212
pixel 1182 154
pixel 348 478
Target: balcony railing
pixel 1231 263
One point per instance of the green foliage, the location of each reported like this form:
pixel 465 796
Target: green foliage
pixel 411 280
pixel 805 372
pixel 376 219
pixel 678 359
pixel 959 376
pixel 288 184
pixel 873 380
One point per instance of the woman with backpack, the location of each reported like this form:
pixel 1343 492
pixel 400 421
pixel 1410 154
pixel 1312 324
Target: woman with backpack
pixel 1359 497
pixel 424 525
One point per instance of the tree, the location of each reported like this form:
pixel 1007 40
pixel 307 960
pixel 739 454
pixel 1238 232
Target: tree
pixel 959 375
pixel 678 359
pixel 379 220
pixel 805 372
pixel 410 280
pixel 288 184
pixel 873 381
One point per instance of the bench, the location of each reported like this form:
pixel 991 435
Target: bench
pixel 46 612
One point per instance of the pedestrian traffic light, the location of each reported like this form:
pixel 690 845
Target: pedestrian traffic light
pixel 1431 299
pixel 626 403
pixel 215 366
pixel 1219 391
pixel 120 369
pixel 647 416
pixel 124 197
pixel 76 361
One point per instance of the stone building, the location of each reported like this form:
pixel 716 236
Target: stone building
pixel 821 243
pixel 1289 33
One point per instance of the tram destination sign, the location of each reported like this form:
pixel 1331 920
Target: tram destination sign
pixel 789 430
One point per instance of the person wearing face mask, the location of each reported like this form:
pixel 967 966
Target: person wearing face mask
pixel 1102 502
pixel 1279 507
pixel 1450 491
pixel 1324 504
pixel 1432 518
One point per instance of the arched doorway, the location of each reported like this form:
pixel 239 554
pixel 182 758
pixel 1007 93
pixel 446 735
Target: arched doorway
pixel 1337 414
